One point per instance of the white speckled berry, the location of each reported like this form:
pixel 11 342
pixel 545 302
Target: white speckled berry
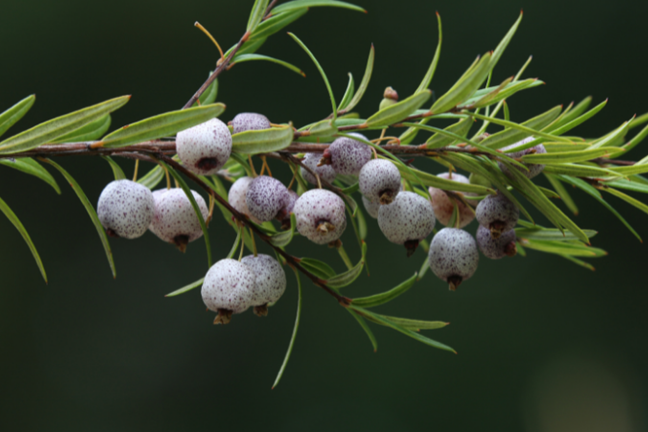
pixel 205 148
pixel 348 156
pixel 325 172
pixel 443 207
pixel 284 214
pixel 320 216
pixel 266 196
pixel 228 288
pixel 125 209
pixel 175 220
pixel 496 248
pixel 371 207
pixel 534 169
pixel 380 181
pixel 270 280
pixel 497 213
pixel 237 195
pixel 250 121
pixel 407 220
pixel 453 256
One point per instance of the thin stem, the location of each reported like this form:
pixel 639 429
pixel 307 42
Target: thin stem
pixel 136 167
pixel 254 246
pixel 345 257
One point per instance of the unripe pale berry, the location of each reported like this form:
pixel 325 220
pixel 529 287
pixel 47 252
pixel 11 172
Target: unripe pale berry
pixel 237 196
pixel 325 172
pixel 497 213
pixel 284 214
pixel 320 216
pixel 407 220
pixel 270 281
pixel 380 181
pixel 496 248
pixel 534 169
pixel 347 155
pixel 125 209
pixel 453 256
pixel 371 207
pixel 443 206
pixel 205 148
pixel 250 121
pixel 228 289
pixel 175 220
pixel 265 197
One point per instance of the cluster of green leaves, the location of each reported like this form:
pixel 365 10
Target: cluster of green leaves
pixel 472 102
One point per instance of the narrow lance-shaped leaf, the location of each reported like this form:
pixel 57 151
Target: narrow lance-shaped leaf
pixel 318 268
pixel 613 138
pixel 23 232
pixel 186 288
pixel 398 111
pixel 570 156
pixel 462 89
pixel 321 71
pixel 161 125
pixel 31 167
pixel 348 94
pixel 89 132
pixel 242 58
pixel 627 198
pixel 564 195
pixel 294 333
pixel 324 128
pixel 461 128
pixel 427 79
pixel 117 171
pixel 152 178
pixel 348 277
pixel 365 80
pixel 509 124
pixel 411 324
pixel 501 47
pixel 563 248
pixel 11 116
pixel 209 96
pixel 194 204
pixel 636 139
pixel 449 185
pixel 52 129
pixel 366 328
pixel 300 4
pixel 275 23
pixel 256 14
pixel 573 114
pixel 387 296
pixel 262 141
pixel 91 212
pixel 284 238
pixel 538 233
pixel 513 135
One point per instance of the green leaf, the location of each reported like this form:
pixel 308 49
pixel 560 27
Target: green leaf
pixel 471 80
pixel 11 116
pixel 362 224
pixel 419 337
pixel 569 156
pixel 91 212
pixel 321 71
pixel 366 328
pixel 628 185
pixel 348 94
pixel 563 248
pixel 387 296
pixel 627 198
pixel 504 42
pixel 527 131
pixel 564 195
pixel 346 278
pixel 513 135
pixel 209 96
pixel 275 23
pixel 497 95
pixel 194 204
pixel 256 14
pixel 581 170
pixel 294 333
pixel 52 129
pixel 636 139
pixel 89 132
pixel 262 141
pixel 186 288
pixel 31 167
pixel 540 233
pixel 284 238
pixel 461 128
pixel 630 170
pixel 445 184
pixel 242 58
pixel 579 262
pixel 557 129
pixel 573 114
pixel 365 80
pixel 560 147
pixel 318 268
pixel 152 178
pixel 411 324
pixel 427 79
pixel 300 4
pixel 23 232
pixel 117 171
pixel 162 125
pixel 613 138
pixel 398 111
pixel 324 128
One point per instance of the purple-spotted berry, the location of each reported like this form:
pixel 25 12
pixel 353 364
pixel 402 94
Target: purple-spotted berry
pixel 125 209
pixel 270 281
pixel 453 256
pixel 228 289
pixel 205 148
pixel 444 207
pixel 320 216
pixel 496 248
pixel 407 220
pixel 380 181
pixel 175 220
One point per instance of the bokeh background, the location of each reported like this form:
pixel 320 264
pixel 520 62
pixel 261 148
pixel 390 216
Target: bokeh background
pixel 543 345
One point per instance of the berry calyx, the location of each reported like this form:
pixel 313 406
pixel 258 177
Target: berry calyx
pixel 380 181
pixel 453 256
pixel 175 220
pixel 407 220
pixel 320 216
pixel 228 289
pixel 444 207
pixel 205 148
pixel 125 209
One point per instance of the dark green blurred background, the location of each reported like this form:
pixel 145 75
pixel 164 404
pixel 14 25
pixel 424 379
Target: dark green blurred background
pixel 543 345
